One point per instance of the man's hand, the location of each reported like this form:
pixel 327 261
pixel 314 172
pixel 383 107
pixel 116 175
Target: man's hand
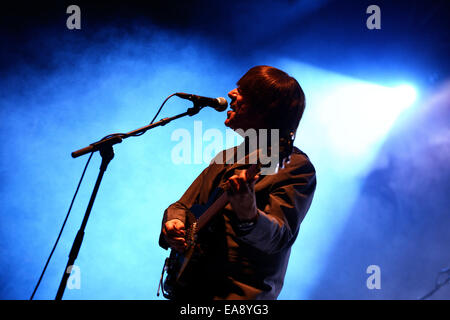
pixel 174 233
pixel 242 196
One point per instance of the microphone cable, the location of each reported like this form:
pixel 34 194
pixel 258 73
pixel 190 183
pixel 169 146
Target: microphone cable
pixel 62 228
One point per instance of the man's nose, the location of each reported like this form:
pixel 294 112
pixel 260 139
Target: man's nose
pixel 233 93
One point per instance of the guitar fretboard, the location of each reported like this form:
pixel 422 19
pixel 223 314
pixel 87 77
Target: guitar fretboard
pixel 215 208
pixel 222 201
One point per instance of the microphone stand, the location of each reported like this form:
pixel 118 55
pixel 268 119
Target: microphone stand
pixel 105 147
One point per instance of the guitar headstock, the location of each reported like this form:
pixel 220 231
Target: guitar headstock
pixel 252 171
pixel 278 156
pixel 286 148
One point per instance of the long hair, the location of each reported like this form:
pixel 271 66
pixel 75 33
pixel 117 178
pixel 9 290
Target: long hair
pixel 276 95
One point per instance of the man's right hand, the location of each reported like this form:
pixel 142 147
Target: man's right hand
pixel 174 233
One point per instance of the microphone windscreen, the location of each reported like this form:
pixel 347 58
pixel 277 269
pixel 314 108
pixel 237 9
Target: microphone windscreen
pixel 222 101
pixel 223 104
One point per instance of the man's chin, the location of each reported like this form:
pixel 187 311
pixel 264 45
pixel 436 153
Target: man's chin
pixel 228 123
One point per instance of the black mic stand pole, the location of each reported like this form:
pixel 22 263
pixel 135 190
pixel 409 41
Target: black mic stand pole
pixel 105 147
pixel 107 154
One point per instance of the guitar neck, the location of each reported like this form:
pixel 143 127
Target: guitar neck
pixel 214 209
pixel 222 201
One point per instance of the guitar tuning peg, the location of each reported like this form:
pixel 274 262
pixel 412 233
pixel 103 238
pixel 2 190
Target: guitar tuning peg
pixel 288 160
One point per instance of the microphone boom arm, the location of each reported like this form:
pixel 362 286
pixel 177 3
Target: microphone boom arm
pixel 118 137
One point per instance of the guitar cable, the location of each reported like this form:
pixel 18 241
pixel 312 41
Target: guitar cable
pixel 75 195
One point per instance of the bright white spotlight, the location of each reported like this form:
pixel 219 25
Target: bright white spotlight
pixel 346 123
pixel 404 95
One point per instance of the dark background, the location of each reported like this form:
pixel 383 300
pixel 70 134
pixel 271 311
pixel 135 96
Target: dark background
pixel 413 40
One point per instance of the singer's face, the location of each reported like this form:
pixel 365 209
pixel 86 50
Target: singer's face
pixel 242 115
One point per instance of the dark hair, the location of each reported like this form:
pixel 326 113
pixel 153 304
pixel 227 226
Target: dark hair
pixel 277 96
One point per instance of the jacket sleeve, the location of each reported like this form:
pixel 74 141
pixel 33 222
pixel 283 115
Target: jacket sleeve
pixel 178 209
pixel 290 197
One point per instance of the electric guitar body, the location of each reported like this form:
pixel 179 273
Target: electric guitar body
pixel 181 266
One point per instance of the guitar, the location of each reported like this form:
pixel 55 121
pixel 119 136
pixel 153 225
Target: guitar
pixel 197 218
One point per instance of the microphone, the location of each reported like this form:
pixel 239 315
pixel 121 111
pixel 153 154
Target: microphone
pixel 219 104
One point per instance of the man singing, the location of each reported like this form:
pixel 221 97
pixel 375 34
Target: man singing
pixel 244 251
